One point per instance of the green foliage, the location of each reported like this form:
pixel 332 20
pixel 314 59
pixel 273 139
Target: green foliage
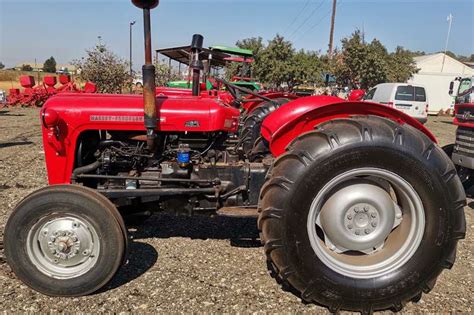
pixel 50 65
pixel 366 65
pixel 2 66
pixel 277 63
pixel 401 65
pixel 26 68
pixel 164 73
pixel 102 67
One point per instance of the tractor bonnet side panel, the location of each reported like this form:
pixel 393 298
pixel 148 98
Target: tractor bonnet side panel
pixel 78 113
pixel 303 114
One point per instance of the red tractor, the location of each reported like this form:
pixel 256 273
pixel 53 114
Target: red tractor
pixel 358 207
pixel 461 151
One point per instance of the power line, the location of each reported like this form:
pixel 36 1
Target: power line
pixel 297 16
pixel 312 27
pixel 307 19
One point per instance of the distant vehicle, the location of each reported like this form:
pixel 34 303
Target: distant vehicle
pixel 63 70
pixel 408 98
pixel 138 81
pixel 3 96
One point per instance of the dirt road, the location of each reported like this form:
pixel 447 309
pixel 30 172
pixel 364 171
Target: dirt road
pixel 180 264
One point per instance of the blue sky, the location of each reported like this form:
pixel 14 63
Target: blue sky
pixel 32 29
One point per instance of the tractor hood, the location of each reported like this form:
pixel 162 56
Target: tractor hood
pixel 125 112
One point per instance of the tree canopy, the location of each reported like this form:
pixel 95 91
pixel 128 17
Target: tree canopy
pixel 104 68
pixel 2 66
pixel 50 65
pixel 356 63
pixel 278 64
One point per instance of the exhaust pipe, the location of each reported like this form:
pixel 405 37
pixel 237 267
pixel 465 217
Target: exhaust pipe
pixel 148 70
pixel 196 64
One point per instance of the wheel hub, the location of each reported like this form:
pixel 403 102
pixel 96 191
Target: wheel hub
pixel 64 244
pixel 358 217
pixel 357 212
pixel 63 247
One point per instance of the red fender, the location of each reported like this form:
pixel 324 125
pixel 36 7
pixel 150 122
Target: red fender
pixel 250 106
pixel 302 115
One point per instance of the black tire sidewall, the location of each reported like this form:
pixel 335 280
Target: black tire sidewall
pixel 405 280
pixel 63 203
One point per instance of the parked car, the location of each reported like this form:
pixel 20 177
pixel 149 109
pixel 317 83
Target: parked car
pixel 408 98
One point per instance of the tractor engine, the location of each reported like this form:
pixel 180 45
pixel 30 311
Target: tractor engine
pixel 189 172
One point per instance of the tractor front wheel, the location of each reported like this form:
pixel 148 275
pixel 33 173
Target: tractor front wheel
pixel 65 240
pixel 362 214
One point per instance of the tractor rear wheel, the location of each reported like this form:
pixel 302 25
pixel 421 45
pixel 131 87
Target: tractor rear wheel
pixel 65 240
pixel 251 140
pixel 362 214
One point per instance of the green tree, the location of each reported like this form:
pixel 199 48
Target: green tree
pixel 401 65
pixel 305 68
pixel 164 73
pixel 2 66
pixel 365 65
pixel 50 65
pixel 26 68
pixel 102 67
pixel 275 62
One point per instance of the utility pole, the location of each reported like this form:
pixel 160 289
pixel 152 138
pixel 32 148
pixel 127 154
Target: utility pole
pixel 331 34
pixel 131 68
pixel 450 21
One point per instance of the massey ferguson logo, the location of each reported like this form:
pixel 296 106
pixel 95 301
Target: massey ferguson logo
pixel 467 116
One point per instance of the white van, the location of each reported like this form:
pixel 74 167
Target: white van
pixel 408 98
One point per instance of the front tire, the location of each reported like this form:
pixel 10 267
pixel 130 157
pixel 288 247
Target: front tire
pixel 65 241
pixel 362 214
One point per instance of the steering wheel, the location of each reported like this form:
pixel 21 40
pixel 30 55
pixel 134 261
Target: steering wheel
pixel 235 90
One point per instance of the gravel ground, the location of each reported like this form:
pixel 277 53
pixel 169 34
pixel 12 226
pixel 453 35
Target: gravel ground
pixel 180 264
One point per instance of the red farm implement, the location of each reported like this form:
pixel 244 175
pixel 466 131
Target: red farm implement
pixel 36 95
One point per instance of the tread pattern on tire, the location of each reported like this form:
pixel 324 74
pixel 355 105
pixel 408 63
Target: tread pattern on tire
pixel 327 137
pixel 253 122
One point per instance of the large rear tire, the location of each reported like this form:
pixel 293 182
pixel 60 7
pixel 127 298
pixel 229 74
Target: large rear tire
pixel 251 139
pixel 362 214
pixel 65 240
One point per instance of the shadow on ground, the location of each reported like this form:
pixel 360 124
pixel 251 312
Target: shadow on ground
pixel 14 144
pixel 241 232
pixel 7 113
pixel 141 257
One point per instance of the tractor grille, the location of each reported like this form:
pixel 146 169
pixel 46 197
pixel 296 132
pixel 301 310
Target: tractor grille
pixel 465 141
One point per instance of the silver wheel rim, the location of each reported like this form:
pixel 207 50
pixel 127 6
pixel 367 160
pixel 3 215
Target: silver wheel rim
pixel 370 222
pixel 63 247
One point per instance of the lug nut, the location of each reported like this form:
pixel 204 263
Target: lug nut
pixel 374 224
pixel 357 232
pixel 399 216
pixel 349 217
pixel 373 215
pixel 367 231
pixel 366 209
pixel 350 226
pixel 356 210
